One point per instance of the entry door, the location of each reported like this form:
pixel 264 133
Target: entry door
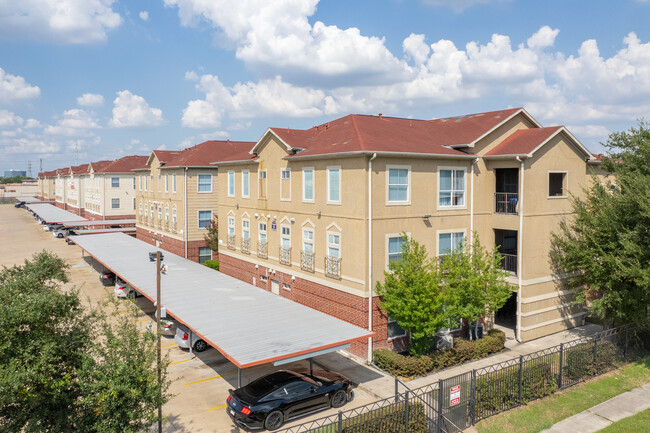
pixel 275 287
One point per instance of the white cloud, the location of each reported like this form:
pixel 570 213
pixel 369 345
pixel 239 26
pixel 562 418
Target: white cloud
pixel 144 15
pixel 460 5
pixel 75 122
pixel 133 111
pixel 30 146
pixel 9 119
pixel 15 87
pixel 191 76
pixel 249 100
pixel 544 37
pixel 63 21
pixel 32 123
pixel 415 47
pixel 90 100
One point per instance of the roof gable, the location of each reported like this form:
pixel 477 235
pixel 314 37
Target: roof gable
pixel 525 142
pixel 212 152
pixel 125 164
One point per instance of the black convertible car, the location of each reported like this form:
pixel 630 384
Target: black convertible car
pixel 278 397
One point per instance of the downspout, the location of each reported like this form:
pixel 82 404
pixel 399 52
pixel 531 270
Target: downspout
pixel 370 254
pixel 104 197
pixel 471 203
pixel 520 243
pixel 185 211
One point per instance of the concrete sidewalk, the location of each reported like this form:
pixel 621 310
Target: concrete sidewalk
pixel 606 413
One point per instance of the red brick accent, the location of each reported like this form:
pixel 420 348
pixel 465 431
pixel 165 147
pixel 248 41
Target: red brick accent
pixel 172 245
pixel 96 217
pixel 345 306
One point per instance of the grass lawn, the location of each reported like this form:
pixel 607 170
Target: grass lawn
pixel 639 423
pixel 542 414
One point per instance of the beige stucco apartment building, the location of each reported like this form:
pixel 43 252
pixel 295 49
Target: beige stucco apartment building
pixel 317 215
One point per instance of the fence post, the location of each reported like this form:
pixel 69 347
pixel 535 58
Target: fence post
pixel 472 399
pixel 625 349
pixel 559 379
pixel 406 412
pixel 439 426
pixel 340 422
pixel 521 379
pixel 595 350
pixel 396 390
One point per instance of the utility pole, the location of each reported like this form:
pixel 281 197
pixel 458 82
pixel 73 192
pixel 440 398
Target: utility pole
pixel 29 168
pixel 41 170
pixel 158 341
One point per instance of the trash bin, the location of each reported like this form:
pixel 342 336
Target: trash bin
pixel 475 333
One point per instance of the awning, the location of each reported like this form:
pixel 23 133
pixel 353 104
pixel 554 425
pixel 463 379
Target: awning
pixel 248 325
pixel 52 214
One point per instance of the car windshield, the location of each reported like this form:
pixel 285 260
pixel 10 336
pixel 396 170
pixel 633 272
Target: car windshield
pixel 266 384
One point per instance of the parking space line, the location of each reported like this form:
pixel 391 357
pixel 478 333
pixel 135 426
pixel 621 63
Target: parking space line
pixel 211 378
pixel 143 320
pixel 218 407
pixel 169 345
pixel 178 362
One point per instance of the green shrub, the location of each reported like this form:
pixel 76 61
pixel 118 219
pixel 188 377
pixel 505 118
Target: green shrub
pixel 580 363
pixel 387 420
pixel 214 264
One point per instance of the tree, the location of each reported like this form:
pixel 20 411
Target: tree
pixel 413 295
pixel 63 368
pixel 476 282
pixel 212 236
pixel 604 249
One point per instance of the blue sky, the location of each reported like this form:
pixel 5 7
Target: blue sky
pixel 83 80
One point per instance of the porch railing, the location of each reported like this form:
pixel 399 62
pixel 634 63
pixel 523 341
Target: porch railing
pixel 333 267
pixel 307 261
pixel 506 202
pixel 509 263
pixel 285 256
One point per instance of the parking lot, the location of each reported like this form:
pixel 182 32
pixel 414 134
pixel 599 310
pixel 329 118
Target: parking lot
pixel 200 385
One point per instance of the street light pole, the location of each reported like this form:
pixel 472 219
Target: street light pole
pixel 158 340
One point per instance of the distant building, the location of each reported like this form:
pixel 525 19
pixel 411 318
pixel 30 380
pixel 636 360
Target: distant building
pixel 14 173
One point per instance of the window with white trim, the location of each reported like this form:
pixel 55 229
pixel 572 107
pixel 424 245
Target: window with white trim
pixel 166 214
pixel 166 183
pixel 394 329
pixel 261 233
pixel 140 182
pixel 334 184
pixel 395 249
pixel 134 183
pixel 308 184
pixel 231 226
pixel 451 188
pixel 285 236
pixel 205 182
pixel 398 184
pixel 308 240
pixel 115 182
pixel 231 184
pixel 285 184
pixel 115 203
pixel 140 208
pixel 204 218
pixel 173 183
pixel 205 254
pixel 159 213
pixel 245 229
pixel 174 216
pixel 245 183
pixel 133 203
pixel 261 179
pixel 334 245
pixel 450 242
pixel 146 182
pixel 151 212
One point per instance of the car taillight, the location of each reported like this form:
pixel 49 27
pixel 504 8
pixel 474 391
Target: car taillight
pixel 185 336
pixel 229 398
pixel 245 410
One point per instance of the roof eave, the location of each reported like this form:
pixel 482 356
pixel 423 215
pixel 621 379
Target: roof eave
pixel 260 142
pixel 513 115
pixel 239 161
pixel 381 153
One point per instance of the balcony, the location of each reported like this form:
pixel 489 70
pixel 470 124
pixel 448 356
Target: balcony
pixel 262 250
pixel 506 240
pixel 509 263
pixel 506 202
pixel 307 261
pixel 231 242
pixel 333 267
pixel 246 246
pixel 285 256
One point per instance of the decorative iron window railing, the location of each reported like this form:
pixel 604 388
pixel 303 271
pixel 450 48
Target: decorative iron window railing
pixel 231 242
pixel 285 256
pixel 246 246
pixel 307 261
pixel 333 267
pixel 506 202
pixel 509 263
pixel 262 250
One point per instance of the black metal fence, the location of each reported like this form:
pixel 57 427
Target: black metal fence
pixel 453 404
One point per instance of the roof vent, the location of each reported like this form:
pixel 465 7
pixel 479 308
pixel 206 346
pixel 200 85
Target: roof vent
pixel 380 115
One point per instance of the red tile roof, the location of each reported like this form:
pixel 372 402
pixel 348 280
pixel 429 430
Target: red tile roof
pixel 79 169
pixel 203 154
pixel 125 164
pixel 97 165
pixel 165 156
pixel 354 133
pixel 523 141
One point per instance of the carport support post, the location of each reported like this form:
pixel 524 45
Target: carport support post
pixel 311 366
pixel 238 377
pixel 190 329
pixel 158 340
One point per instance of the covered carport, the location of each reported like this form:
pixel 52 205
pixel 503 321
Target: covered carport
pixel 52 214
pixel 85 232
pixel 248 325
pixel 100 223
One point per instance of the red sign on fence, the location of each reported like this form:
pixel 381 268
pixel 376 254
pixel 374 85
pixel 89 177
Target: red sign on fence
pixel 454 395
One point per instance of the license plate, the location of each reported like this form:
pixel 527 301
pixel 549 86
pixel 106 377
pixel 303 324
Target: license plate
pixel 232 412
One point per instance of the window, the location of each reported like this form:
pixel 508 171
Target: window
pixel 308 240
pixel 115 182
pixel 231 226
pixel 174 216
pixel 166 183
pixel 159 213
pixel 140 182
pixel 261 178
pixel 394 329
pixel 245 184
pixel 395 249
pixel 204 218
pixel 173 183
pixel 334 184
pixel 151 212
pixel 285 184
pixel 451 188
pixel 557 184
pixel 264 278
pixel 140 208
pixel 261 233
pixel 205 253
pixel 134 183
pixel 285 174
pixel 231 184
pixel 115 203
pixel 166 214
pixel 334 245
pixel 398 184
pixel 133 203
pixel 146 181
pixel 205 182
pixel 308 184
pixel 245 229
pixel 450 242
pixel 286 237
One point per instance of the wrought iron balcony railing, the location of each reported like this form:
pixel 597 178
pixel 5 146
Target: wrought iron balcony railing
pixel 285 256
pixel 509 263
pixel 231 242
pixel 333 267
pixel 506 202
pixel 307 261
pixel 262 250
pixel 246 246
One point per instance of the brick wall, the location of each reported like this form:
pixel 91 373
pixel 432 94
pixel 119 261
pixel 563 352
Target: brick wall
pixel 172 245
pixel 350 308
pixel 96 217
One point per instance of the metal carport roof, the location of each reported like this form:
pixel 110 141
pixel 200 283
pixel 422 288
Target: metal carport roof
pixel 86 232
pixel 29 199
pixel 98 222
pixel 248 325
pixel 52 214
